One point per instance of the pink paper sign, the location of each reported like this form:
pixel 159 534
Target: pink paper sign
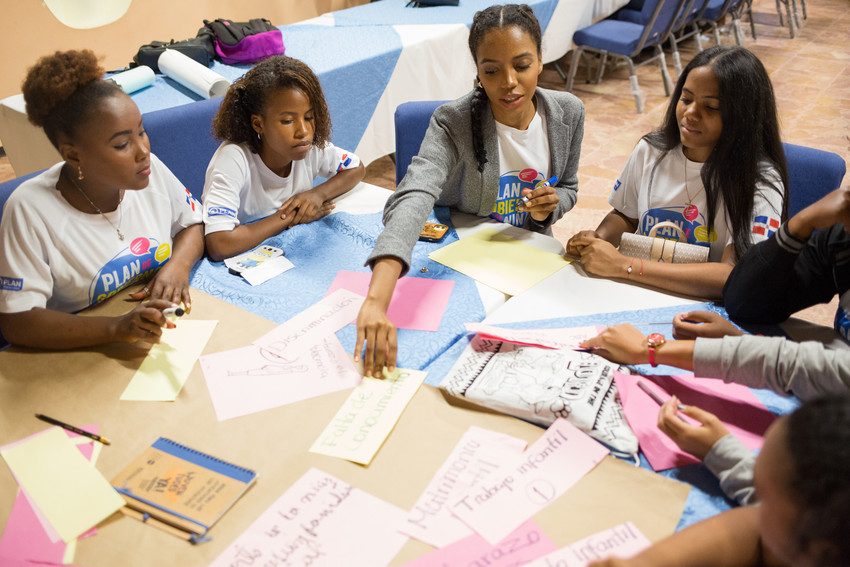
pixel 565 338
pixel 417 304
pixel 736 406
pixel 524 544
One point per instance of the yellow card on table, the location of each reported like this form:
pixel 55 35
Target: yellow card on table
pixel 367 416
pixel 65 487
pixel 169 363
pixel 499 260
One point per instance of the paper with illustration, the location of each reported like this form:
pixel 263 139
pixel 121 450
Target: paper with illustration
pixel 365 419
pixel 530 482
pixel 315 323
pixel 321 521
pixel 252 379
pixel 499 261
pixel 564 338
pixel 478 453
pixel 168 364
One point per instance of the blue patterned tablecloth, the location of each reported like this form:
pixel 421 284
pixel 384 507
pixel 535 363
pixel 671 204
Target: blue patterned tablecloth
pixel 319 250
pixel 705 499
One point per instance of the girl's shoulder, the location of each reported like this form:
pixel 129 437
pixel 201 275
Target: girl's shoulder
pixel 37 193
pixel 567 102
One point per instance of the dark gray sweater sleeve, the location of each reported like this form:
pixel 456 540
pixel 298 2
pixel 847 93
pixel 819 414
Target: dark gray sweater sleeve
pixel 408 207
pixel 733 464
pixel 806 370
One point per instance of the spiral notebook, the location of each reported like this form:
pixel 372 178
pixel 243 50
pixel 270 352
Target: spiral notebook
pixel 181 490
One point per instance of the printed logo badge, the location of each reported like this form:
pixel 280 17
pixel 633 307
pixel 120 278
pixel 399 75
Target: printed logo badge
pixel 765 226
pixel 11 284
pixel 691 212
pixel 129 266
pixel 190 200
pixel 511 185
pixel 617 184
pixel 344 162
pixel 163 252
pixel 528 175
pixel 221 212
pixel 140 246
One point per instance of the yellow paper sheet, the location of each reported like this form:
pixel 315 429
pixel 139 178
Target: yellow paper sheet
pixel 367 416
pixel 499 261
pixel 169 363
pixel 65 487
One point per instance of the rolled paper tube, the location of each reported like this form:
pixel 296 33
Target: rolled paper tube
pixel 134 79
pixel 192 75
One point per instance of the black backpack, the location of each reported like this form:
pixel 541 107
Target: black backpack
pixel 200 48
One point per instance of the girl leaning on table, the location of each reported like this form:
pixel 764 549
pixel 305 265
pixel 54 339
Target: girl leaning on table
pixel 275 127
pixel 804 509
pixel 110 215
pixel 481 154
pixel 715 168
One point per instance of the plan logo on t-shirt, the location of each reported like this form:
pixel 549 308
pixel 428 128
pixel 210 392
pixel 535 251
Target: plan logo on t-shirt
pixel 142 257
pixel 11 284
pixel 511 185
pixel 693 227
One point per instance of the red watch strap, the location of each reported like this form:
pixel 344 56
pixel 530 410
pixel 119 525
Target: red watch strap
pixel 652 362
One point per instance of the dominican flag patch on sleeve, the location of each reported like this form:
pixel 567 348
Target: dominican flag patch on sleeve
pixel 765 225
pixel 190 200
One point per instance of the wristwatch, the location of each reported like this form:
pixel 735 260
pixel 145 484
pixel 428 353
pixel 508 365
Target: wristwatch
pixel 653 342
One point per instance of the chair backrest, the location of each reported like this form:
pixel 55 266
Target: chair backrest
pixel 660 24
pixel 812 174
pixel 182 138
pixel 411 122
pixel 9 186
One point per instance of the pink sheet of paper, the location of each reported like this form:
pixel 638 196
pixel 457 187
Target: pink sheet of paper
pixel 320 520
pixel 27 536
pixel 524 544
pixel 545 338
pixel 736 406
pixel 529 482
pixel 252 379
pixel 320 320
pixel 479 453
pixel 622 541
pixel 417 303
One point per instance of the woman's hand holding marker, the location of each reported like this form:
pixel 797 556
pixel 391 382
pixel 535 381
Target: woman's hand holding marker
pixel 542 200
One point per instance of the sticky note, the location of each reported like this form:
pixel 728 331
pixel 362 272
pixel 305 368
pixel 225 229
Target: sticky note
pixel 621 541
pixel 71 494
pixel 168 364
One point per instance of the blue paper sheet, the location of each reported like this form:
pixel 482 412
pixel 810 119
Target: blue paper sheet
pixel 343 242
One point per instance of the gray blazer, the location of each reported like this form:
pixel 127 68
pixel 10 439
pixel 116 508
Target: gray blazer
pixel 445 172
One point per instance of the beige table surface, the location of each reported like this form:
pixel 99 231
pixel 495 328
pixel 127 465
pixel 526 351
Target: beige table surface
pixel 84 386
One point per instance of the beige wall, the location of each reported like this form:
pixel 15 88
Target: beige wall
pixel 29 30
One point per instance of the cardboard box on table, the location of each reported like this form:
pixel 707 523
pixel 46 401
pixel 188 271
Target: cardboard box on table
pixel 84 386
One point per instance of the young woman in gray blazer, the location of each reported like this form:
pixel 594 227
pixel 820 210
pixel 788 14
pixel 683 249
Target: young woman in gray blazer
pixel 481 153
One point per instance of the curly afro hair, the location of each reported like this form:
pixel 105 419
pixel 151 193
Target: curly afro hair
pixel 248 96
pixel 62 90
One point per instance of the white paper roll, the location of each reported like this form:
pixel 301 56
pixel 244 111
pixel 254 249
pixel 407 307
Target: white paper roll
pixel 134 79
pixel 192 75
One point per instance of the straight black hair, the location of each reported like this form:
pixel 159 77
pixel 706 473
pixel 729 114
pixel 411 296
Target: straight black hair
pixel 750 137
pixel 493 17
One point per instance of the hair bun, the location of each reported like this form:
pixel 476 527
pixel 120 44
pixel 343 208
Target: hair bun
pixel 55 78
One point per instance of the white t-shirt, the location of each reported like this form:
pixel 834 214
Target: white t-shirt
pixel 55 256
pixel 676 177
pixel 523 162
pixel 240 188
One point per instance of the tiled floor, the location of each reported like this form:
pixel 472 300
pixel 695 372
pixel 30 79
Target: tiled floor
pixel 811 76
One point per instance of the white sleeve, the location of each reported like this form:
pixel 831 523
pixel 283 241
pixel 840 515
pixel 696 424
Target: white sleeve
pixel 25 278
pixel 229 173
pixel 185 210
pixel 767 207
pixel 624 195
pixel 333 159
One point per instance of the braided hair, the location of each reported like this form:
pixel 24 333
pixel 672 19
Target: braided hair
pixel 818 438
pixel 499 16
pixel 249 94
pixel 63 90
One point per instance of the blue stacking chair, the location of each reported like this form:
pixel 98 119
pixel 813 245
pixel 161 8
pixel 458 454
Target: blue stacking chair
pixel 627 39
pixel 716 10
pixel 812 173
pixel 411 122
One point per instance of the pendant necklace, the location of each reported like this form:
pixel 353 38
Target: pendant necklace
pixel 691 211
pixel 120 212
